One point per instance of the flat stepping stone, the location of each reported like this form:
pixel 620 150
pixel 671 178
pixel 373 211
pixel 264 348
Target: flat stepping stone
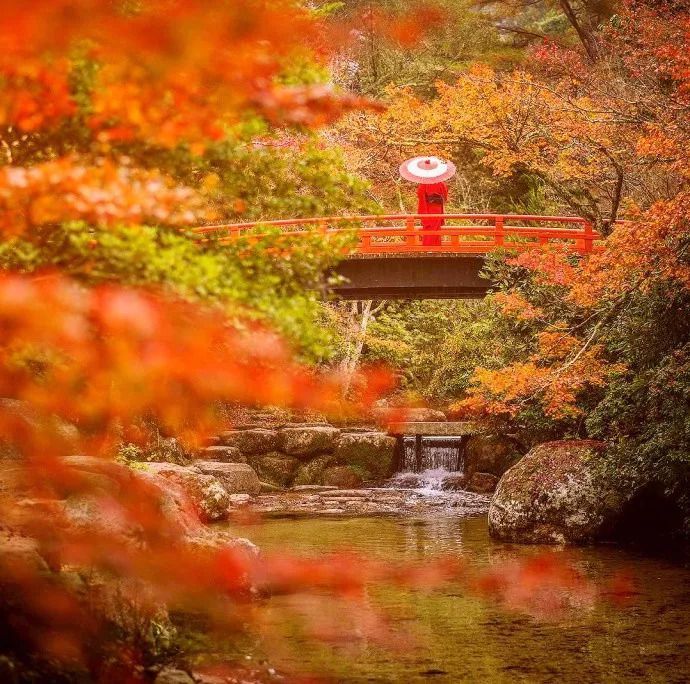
pixel 313 488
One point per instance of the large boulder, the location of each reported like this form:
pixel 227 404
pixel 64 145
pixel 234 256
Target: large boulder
pixel 308 440
pixel 311 473
pixel 101 475
pixel 494 454
pixel 482 483
pixel 371 451
pixel 250 442
pixel 275 468
pixel 236 478
pixel 206 493
pixel 344 477
pixel 225 454
pixel 557 494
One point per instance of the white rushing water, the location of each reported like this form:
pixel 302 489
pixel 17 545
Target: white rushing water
pixel 430 482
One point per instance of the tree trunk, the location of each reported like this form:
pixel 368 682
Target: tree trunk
pixel 583 33
pixel 355 341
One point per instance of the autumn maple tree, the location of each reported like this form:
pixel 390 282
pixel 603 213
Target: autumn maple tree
pixel 110 311
pixel 593 128
pixel 641 257
pixel 93 95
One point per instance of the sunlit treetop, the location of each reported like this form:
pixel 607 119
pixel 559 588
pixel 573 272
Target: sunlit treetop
pixel 172 70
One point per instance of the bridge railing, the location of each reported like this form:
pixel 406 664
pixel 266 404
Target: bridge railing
pixel 403 233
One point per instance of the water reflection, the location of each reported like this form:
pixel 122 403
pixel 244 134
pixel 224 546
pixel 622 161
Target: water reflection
pixel 462 638
pixel 432 537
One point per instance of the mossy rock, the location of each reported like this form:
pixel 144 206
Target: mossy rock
pixel 311 473
pixel 275 468
pixel 307 440
pixel 251 442
pixel 556 494
pixel 345 477
pixel 372 451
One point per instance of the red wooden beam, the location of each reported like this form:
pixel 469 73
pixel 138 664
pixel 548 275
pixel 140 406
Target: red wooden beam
pixel 375 238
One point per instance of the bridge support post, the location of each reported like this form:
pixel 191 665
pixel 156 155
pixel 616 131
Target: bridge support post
pixel 418 453
pixel 399 454
pixel 461 453
pixel 589 236
pixel 499 231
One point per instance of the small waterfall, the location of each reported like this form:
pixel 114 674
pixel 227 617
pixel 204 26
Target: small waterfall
pixel 428 481
pixel 437 453
pixel 436 482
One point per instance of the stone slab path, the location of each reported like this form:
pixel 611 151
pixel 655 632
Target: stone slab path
pixel 360 502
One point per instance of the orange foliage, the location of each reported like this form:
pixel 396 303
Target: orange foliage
pixel 35 95
pixel 110 355
pixel 550 264
pixel 102 194
pixel 515 123
pixel 620 124
pixel 513 304
pixel 209 58
pixel 554 377
pixel 171 72
pixel 638 253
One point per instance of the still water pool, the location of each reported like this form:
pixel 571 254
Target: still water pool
pixel 462 638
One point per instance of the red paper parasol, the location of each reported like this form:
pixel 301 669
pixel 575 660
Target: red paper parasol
pixel 427 170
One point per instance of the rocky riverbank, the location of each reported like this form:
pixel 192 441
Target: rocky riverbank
pixel 317 468
pixel 320 501
pixel 571 492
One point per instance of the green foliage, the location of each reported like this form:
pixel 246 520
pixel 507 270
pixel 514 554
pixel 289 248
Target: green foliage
pixel 243 277
pixel 300 180
pixel 257 175
pixel 437 344
pixel 327 9
pixel 304 70
pixel 532 197
pixel 440 53
pixel 646 412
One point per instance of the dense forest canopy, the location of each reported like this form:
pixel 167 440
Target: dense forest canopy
pixel 589 117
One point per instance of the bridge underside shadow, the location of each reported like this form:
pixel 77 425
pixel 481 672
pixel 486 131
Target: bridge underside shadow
pixel 419 276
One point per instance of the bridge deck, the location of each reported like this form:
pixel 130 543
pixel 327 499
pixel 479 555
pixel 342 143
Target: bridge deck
pixel 386 257
pixel 411 276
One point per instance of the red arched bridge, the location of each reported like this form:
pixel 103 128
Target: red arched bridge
pixel 389 260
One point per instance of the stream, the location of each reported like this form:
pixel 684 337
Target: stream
pixel 449 635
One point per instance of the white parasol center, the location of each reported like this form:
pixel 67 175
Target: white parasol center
pixel 427 168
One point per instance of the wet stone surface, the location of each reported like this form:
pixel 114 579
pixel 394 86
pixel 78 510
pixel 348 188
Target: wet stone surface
pixel 373 501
